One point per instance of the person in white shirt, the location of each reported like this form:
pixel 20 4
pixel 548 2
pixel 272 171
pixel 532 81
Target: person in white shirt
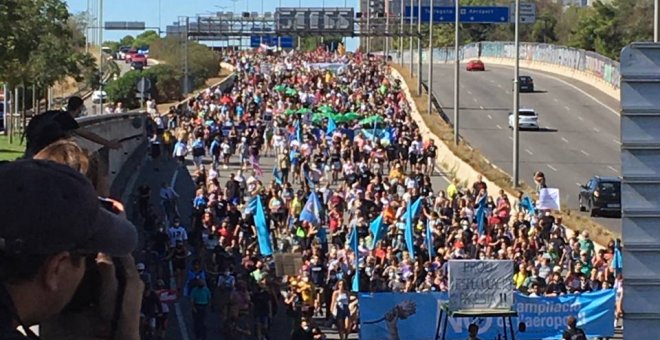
pixel 177 232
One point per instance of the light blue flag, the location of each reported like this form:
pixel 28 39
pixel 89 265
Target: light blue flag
pixel 299 137
pixel 277 174
pixel 481 215
pixel 411 212
pixel 263 235
pixel 353 239
pixel 251 206
pixel 617 260
pixel 377 230
pixel 311 212
pixel 526 203
pixel 429 240
pixel 332 126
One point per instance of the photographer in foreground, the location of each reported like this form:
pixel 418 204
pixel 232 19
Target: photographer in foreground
pixel 56 234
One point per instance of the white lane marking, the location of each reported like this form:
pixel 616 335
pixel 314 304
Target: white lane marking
pixel 490 117
pixel 564 139
pixel 529 152
pixel 492 81
pixel 596 130
pixel 616 141
pixel 499 85
pixel 511 138
pixel 475 99
pixel 481 107
pixel 578 183
pixel 499 127
pixel 584 153
pixel 556 100
pixel 551 167
pixel 177 306
pixel 507 91
pixel 613 169
pixel 567 108
pixel 469 92
pixel 580 118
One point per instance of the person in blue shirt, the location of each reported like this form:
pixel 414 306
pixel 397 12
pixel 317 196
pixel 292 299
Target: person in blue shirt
pixel 200 297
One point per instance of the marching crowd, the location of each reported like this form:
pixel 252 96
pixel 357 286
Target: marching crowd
pixel 351 193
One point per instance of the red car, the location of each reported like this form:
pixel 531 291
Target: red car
pixel 475 65
pixel 129 55
pixel 139 58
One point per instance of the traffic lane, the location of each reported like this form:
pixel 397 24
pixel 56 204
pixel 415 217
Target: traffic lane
pixel 568 154
pixel 94 108
pixel 589 147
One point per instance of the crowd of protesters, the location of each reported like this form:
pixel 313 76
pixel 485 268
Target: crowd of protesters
pixel 338 130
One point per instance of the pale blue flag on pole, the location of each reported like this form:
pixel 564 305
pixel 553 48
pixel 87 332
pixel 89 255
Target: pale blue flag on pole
pixel 617 260
pixel 263 234
pixel 481 215
pixel 377 230
pixel 277 174
pixel 332 126
pixel 411 212
pixel 429 240
pixel 353 239
pixel 311 212
pixel 251 206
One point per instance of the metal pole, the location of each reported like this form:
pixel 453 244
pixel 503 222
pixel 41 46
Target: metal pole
pixel 299 38
pixel 261 36
pixel 185 60
pixel 410 42
pixel 387 30
pixel 419 47
pixel 401 35
pixel 368 29
pixel 656 21
pixel 516 96
pixel 279 38
pixel 89 15
pixel 457 65
pixel 101 54
pixel 429 81
pixel 159 15
pixel 5 109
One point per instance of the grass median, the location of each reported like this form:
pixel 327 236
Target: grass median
pixel 474 158
pixel 9 152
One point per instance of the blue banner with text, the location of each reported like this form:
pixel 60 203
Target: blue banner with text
pixel 385 314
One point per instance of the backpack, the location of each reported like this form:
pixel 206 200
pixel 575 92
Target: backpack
pixel 577 334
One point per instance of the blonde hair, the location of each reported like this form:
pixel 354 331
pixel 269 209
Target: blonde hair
pixel 67 152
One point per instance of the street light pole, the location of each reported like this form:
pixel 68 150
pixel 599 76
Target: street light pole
pixel 387 29
pixel 656 21
pixel 101 55
pixel 430 78
pixel 419 47
pixel 401 35
pixel 516 96
pixel 457 38
pixel 410 42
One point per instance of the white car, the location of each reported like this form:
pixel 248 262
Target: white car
pixel 98 96
pixel 527 119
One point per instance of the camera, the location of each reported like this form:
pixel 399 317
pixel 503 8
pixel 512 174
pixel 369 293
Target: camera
pixel 88 292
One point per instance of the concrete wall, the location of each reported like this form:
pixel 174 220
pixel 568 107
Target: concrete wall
pixel 118 165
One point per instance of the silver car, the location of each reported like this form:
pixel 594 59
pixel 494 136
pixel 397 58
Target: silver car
pixel 527 119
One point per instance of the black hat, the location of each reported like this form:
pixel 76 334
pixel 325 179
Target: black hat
pixel 49 207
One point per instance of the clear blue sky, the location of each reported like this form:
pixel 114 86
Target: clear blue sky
pixel 148 10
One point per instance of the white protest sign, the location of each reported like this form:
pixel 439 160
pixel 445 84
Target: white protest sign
pixel 548 199
pixel 480 284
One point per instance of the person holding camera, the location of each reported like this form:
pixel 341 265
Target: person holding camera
pixel 65 266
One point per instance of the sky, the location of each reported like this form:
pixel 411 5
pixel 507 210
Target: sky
pixel 167 11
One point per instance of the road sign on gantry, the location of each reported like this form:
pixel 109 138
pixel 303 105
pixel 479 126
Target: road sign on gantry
pixel 314 21
pixel 527 14
pixel 480 285
pixel 468 14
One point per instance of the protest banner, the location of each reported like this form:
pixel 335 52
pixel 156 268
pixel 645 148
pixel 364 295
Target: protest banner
pixel 480 284
pixel 549 199
pixel 545 317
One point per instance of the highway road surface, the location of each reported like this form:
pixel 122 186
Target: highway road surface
pixel 94 109
pixel 579 134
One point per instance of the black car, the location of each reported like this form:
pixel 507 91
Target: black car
pixel 601 195
pixel 525 84
pixel 137 65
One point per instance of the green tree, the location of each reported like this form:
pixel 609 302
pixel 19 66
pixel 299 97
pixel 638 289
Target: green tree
pixel 145 38
pixel 127 41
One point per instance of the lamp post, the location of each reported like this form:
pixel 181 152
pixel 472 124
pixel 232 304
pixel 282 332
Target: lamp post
pixel 516 97
pixel 656 21
pixel 430 78
pixel 401 34
pixel 419 47
pixel 101 55
pixel 457 37
pixel 410 42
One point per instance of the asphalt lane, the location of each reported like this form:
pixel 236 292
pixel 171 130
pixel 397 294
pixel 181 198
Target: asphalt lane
pixel 579 135
pixel 94 109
